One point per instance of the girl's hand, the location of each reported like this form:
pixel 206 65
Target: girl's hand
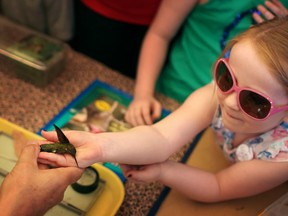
pixel 273 8
pixel 87 150
pixel 142 174
pixel 143 111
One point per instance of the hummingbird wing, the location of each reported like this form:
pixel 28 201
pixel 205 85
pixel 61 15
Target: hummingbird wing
pixel 61 136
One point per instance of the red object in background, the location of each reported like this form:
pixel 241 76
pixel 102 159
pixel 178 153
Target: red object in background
pixel 139 12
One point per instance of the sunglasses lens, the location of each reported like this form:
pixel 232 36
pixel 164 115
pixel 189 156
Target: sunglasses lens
pixel 254 104
pixel 223 77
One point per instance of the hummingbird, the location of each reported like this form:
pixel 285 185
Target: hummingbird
pixel 63 146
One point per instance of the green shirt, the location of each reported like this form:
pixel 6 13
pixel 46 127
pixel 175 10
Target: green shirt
pixel 193 52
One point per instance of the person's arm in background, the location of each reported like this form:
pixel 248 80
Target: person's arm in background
pixel 28 190
pixel 145 108
pixel 269 11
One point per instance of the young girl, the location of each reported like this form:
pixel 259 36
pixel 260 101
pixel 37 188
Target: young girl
pixel 247 104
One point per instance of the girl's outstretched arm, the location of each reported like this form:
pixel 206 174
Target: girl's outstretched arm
pixel 143 144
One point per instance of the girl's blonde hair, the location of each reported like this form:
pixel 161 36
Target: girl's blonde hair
pixel 270 40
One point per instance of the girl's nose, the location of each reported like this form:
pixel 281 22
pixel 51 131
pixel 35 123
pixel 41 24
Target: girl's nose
pixel 231 101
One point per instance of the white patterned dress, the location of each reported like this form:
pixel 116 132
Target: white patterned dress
pixel 272 145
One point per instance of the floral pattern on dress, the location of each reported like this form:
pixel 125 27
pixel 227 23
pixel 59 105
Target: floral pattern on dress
pixel 271 145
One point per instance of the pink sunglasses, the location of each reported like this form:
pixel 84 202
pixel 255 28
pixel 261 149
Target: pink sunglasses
pixel 253 103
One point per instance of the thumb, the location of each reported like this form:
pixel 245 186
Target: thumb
pixel 29 154
pixel 70 174
pixel 157 109
pixel 50 135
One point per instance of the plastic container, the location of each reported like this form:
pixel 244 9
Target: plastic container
pixel 32 56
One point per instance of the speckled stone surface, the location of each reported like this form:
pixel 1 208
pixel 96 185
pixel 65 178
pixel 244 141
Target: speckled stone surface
pixel 32 107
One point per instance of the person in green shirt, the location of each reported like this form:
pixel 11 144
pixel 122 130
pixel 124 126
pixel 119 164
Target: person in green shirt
pixel 183 42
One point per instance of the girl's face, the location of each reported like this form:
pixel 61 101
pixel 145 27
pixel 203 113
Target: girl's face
pixel 250 72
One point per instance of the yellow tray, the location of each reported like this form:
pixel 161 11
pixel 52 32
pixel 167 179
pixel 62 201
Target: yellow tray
pixel 8 127
pixel 110 198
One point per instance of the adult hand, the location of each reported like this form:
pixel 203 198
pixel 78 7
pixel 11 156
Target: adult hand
pixel 143 111
pixel 28 190
pixel 270 10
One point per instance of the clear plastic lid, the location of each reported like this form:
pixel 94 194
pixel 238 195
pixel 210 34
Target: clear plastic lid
pixel 28 47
